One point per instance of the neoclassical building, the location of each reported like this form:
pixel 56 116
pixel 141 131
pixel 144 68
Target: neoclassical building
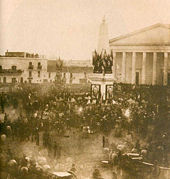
pixel 143 56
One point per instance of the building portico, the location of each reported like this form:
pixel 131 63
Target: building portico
pixel 158 66
pixel 143 57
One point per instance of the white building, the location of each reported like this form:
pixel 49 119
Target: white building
pixel 23 69
pixel 143 56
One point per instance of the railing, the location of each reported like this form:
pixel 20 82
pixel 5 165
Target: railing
pixel 9 71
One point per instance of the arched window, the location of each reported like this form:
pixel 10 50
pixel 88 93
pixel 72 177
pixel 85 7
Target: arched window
pixel 4 80
pixel 14 67
pixel 21 80
pixel 39 74
pixel 14 80
pixel 39 66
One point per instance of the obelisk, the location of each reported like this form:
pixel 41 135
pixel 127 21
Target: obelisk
pixel 103 41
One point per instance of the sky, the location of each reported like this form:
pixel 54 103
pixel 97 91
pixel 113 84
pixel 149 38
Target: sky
pixel 70 28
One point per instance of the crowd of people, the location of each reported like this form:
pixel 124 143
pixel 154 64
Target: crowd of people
pixel 138 111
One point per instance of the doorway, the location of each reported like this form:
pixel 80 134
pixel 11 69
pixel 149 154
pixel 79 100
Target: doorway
pixel 137 78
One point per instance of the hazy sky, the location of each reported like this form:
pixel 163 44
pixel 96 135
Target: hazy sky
pixel 70 28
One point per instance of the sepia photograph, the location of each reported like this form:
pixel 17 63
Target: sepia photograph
pixel 84 89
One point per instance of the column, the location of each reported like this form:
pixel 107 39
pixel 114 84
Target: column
pixel 165 70
pixel 114 65
pixel 144 68
pixel 154 68
pixel 123 67
pixel 133 67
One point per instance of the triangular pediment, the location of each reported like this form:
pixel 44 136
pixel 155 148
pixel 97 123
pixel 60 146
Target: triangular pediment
pixel 157 34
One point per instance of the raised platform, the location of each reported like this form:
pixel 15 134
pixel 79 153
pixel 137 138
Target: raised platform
pixel 100 78
pixel 101 84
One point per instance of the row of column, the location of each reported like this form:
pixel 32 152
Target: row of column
pixel 143 79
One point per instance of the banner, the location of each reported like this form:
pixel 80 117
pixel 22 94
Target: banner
pixel 109 91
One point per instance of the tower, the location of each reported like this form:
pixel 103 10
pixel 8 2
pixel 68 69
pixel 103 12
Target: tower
pixel 103 41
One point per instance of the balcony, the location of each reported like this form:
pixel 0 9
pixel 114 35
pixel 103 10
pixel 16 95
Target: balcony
pixel 39 67
pixel 31 67
pixel 10 72
pixel 30 78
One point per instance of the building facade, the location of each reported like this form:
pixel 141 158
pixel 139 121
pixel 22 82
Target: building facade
pixel 21 67
pixel 143 57
pixel 18 68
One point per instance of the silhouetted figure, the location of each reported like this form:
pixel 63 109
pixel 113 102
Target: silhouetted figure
pixel 73 168
pixel 103 141
pixel 2 102
pixel 96 174
pixel 114 175
pixel 37 138
pixel 55 148
pixel 156 170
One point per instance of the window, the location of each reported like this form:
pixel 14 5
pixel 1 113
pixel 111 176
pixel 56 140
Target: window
pixel 49 75
pixel 39 74
pixel 13 80
pixel 39 66
pixel 22 80
pixel 30 66
pixel 30 74
pixel 14 67
pixel 4 80
pixel 0 67
pixel 137 78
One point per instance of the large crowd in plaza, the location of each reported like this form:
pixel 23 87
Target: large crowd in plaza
pixel 139 112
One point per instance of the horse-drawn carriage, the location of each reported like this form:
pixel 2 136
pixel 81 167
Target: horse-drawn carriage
pixel 130 163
